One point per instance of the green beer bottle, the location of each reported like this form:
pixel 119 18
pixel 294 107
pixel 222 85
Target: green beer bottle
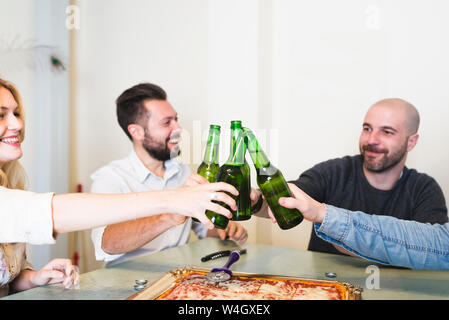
pixel 232 172
pixel 244 187
pixel 209 167
pixel 272 184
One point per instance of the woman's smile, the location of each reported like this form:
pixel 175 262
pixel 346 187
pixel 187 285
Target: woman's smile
pixel 11 140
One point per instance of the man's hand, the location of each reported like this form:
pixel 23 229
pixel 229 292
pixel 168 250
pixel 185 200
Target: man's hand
pixel 255 195
pixel 194 180
pixel 234 230
pixel 311 209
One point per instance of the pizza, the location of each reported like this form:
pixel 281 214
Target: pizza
pixel 195 286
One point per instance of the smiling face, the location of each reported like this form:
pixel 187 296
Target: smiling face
pixel 11 127
pixel 162 130
pixel 386 136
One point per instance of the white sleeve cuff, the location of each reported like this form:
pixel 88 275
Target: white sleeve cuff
pixel 97 240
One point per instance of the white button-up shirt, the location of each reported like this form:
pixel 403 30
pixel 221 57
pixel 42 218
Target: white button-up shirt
pixel 130 175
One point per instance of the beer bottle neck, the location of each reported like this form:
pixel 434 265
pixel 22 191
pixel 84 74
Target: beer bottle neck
pixel 236 131
pixel 212 148
pixel 257 154
pixel 238 150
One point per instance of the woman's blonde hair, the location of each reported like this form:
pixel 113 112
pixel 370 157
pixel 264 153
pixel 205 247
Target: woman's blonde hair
pixel 12 174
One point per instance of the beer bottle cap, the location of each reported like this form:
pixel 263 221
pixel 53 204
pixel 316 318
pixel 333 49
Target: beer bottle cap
pixel 236 124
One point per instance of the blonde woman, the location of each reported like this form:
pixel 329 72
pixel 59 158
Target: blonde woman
pixel 27 217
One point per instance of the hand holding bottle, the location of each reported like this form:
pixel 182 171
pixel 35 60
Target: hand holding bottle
pixel 311 209
pixel 194 201
pixel 255 195
pixel 272 184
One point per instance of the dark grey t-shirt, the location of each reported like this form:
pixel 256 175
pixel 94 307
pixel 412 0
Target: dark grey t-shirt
pixel 342 183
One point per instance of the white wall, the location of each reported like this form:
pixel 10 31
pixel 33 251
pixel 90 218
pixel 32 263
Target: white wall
pixel 302 73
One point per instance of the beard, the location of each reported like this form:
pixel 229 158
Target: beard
pixel 159 150
pixel 386 162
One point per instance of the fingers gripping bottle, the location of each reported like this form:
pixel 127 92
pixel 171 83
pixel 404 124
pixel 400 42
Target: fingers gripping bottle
pixel 272 184
pixel 232 172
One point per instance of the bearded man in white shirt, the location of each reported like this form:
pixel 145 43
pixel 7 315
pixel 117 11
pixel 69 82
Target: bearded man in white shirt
pixel 151 123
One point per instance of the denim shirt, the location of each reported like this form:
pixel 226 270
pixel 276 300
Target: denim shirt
pixel 387 240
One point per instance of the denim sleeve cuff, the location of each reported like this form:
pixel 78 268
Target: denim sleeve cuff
pixel 335 229
pixel 336 223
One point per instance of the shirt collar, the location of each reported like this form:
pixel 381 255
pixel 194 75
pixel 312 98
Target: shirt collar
pixel 172 167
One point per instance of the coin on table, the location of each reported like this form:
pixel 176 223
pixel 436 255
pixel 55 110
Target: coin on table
pixel 139 287
pixel 330 274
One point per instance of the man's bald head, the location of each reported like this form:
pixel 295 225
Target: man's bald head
pixel 411 115
pixel 389 132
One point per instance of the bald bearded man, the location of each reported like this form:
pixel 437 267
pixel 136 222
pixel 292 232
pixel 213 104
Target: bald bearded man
pixel 377 181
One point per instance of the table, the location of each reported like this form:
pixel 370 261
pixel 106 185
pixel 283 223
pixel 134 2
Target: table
pixel 117 282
